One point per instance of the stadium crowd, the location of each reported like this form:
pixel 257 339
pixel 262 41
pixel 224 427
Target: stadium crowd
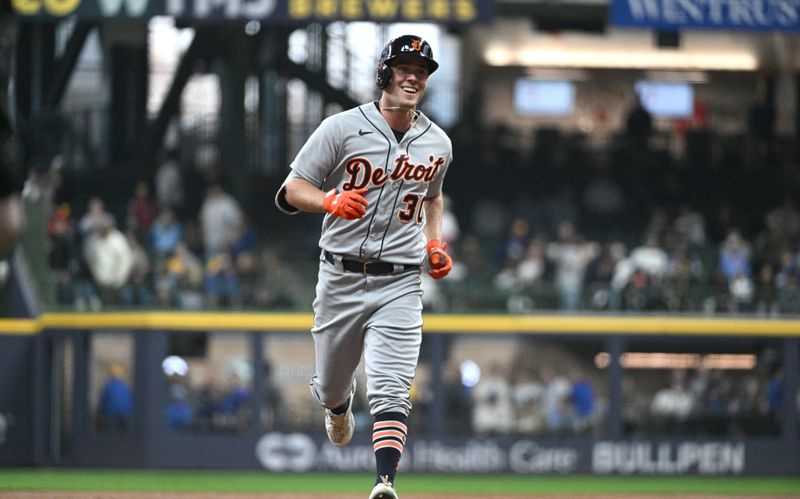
pixel 639 219
pixel 531 398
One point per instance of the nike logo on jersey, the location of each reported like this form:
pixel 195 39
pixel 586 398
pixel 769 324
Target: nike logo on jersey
pixel 363 132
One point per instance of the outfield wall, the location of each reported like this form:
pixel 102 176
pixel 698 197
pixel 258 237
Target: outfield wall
pixel 46 399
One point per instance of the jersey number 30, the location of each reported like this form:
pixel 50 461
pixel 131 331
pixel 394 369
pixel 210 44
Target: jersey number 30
pixel 412 209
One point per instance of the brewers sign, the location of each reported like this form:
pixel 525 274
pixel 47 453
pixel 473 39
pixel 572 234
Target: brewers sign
pixel 269 11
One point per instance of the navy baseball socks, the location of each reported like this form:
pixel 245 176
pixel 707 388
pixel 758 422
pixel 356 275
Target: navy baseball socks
pixel 388 441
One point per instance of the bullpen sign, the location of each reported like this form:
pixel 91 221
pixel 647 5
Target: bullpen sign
pixel 673 15
pixel 287 12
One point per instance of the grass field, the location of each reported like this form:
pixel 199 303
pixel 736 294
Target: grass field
pixel 12 479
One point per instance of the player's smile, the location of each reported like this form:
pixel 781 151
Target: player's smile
pixel 410 78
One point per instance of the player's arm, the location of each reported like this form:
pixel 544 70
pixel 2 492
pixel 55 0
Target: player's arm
pixel 434 207
pixel 305 196
pixel 439 260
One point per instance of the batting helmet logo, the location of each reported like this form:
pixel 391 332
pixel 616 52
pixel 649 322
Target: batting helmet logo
pixel 403 45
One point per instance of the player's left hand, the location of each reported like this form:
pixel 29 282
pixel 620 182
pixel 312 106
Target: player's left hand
pixel 439 260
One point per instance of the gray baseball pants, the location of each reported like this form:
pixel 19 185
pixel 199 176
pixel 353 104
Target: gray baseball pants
pixel 380 316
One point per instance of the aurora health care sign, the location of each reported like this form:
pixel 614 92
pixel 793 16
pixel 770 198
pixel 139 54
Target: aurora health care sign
pixel 298 452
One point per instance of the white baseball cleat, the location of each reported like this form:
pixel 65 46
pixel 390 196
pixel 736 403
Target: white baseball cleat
pixel 340 426
pixel 383 491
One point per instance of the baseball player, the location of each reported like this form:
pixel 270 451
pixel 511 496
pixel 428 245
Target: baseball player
pixel 376 171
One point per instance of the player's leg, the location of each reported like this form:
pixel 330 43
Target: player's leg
pixel 338 344
pixel 392 343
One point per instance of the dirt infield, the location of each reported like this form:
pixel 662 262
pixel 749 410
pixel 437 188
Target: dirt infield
pixel 154 495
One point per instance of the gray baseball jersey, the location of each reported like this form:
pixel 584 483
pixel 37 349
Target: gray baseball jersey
pixel 380 315
pixel 356 149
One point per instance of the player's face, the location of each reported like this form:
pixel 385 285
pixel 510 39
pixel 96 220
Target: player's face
pixel 408 82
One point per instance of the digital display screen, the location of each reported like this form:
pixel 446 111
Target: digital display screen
pixel 541 97
pixel 666 99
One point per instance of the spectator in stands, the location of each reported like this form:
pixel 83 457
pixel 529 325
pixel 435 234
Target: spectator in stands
pixel 279 284
pixel 690 226
pixel 165 233
pixel 138 290
pixel 745 408
pixel 557 389
pixel 527 395
pixel 787 282
pixel 222 221
pixel 458 404
pixel 110 260
pixel 64 257
pixel 516 242
pixel 180 280
pixel 525 275
pixel 734 263
pixel 570 255
pixel 116 401
pixel 734 257
pixel 169 184
pixel 582 402
pixel 766 293
pixel 775 395
pixel 179 410
pixel 685 269
pixel 249 273
pixel 232 409
pixel 600 272
pixel 95 217
pixel 672 405
pixel 221 283
pixel 637 276
pixel 141 212
pixel 781 230
pixel 492 412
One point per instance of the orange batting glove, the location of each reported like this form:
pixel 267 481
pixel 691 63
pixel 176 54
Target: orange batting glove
pixel 439 260
pixel 347 204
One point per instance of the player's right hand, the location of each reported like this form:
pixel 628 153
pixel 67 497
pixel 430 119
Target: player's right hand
pixel 349 205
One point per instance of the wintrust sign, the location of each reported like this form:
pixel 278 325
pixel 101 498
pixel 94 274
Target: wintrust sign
pixel 762 15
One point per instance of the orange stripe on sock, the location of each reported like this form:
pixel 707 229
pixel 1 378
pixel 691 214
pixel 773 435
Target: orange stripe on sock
pixel 389 433
pixel 388 443
pixel 389 424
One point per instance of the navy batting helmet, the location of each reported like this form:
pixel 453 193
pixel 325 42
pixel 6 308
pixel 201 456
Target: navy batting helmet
pixel 403 45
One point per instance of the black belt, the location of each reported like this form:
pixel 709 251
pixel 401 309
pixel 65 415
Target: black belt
pixel 367 268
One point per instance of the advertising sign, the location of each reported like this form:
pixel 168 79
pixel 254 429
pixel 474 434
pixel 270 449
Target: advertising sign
pixel 451 12
pixel 298 452
pixel 671 15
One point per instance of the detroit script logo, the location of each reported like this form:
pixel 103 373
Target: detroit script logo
pixel 362 173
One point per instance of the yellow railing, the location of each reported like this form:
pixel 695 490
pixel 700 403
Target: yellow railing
pixel 434 323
